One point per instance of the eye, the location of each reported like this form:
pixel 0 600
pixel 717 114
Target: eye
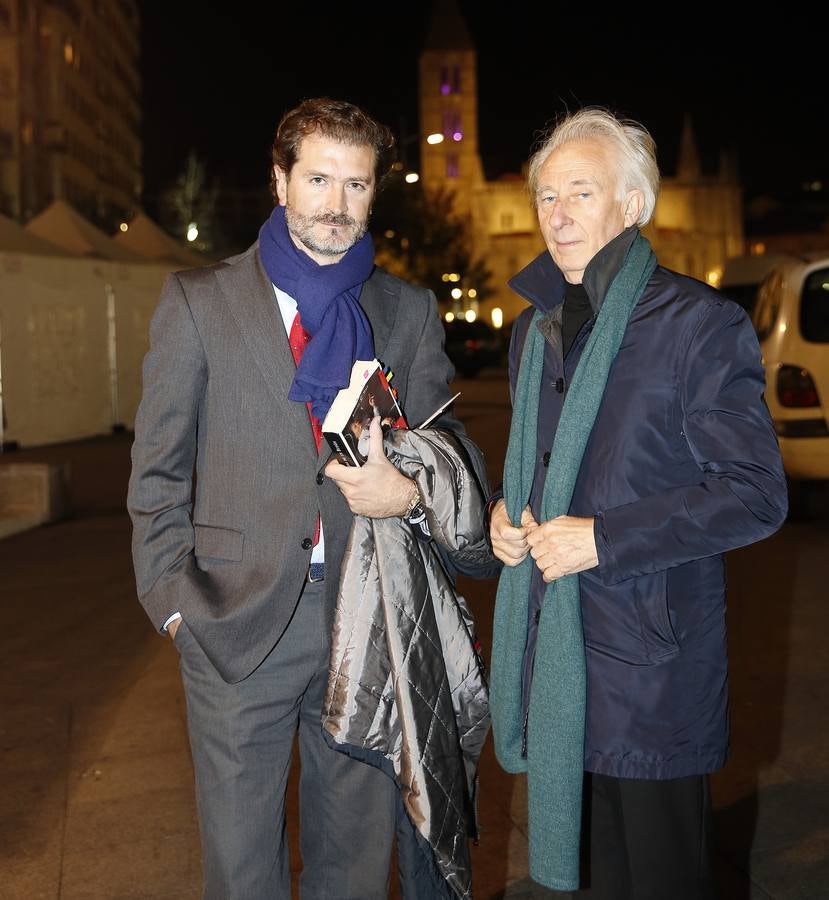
pixel 547 198
pixel 357 186
pixel 317 179
pixel 584 195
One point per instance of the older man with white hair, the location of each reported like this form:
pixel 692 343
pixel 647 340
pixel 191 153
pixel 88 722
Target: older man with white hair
pixel 641 450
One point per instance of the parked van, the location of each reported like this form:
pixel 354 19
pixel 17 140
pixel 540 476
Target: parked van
pixel 743 275
pixel 791 318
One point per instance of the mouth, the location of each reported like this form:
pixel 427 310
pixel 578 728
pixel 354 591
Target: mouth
pixel 336 222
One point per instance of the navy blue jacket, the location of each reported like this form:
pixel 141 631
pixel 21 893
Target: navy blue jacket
pixel 682 466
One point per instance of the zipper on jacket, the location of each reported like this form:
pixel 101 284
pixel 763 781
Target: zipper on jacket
pixel 526 724
pixel 524 733
pixel 476 825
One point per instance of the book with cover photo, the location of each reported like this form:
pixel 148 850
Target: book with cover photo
pixel 346 425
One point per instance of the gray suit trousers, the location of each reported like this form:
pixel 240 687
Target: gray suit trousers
pixel 242 735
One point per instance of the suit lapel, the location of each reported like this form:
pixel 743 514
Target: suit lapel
pixel 252 302
pixel 379 300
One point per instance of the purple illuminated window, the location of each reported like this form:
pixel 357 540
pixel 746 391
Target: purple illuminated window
pixel 451 165
pixel 456 79
pixel 444 81
pixel 452 125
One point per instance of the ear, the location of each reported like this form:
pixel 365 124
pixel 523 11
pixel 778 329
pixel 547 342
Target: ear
pixel 634 203
pixel 281 185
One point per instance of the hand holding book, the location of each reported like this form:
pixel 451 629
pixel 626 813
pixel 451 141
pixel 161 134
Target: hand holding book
pixel 346 426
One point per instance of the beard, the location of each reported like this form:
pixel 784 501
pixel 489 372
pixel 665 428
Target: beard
pixel 307 230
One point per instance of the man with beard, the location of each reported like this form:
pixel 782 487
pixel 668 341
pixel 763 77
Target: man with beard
pixel 240 561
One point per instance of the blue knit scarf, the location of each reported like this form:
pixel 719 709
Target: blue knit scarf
pixel 555 735
pixel 327 299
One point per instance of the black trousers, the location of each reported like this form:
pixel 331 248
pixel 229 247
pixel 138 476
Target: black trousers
pixel 647 840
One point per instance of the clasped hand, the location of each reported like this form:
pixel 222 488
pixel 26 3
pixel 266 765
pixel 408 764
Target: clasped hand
pixel 561 546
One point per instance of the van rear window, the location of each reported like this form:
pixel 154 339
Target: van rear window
pixel 744 294
pixel 814 307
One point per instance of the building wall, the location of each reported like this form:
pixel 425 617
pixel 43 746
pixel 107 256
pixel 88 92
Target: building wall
pixel 697 225
pixel 70 98
pixel 506 236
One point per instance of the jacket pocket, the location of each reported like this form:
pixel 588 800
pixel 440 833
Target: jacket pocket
pixel 629 621
pixel 219 543
pixel 654 618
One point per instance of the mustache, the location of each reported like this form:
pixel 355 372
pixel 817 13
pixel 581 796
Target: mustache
pixel 334 219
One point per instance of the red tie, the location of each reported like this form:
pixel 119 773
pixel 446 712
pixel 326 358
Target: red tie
pixel 298 339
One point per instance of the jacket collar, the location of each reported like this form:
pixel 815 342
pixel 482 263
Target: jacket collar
pixel 541 282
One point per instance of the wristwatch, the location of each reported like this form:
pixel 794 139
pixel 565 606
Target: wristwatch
pixel 414 503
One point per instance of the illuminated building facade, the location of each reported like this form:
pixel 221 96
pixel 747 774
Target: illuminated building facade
pixel 70 107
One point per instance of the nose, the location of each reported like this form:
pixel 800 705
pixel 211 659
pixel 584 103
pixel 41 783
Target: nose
pixel 558 215
pixel 337 200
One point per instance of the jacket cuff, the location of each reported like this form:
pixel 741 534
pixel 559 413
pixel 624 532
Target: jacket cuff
pixel 608 568
pixel 490 505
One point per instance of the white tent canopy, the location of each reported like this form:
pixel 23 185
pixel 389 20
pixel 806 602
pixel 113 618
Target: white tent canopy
pixel 75 307
pixel 148 240
pixel 62 225
pixel 15 239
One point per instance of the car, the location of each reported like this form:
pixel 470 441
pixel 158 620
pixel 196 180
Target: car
pixel 743 275
pixel 791 319
pixel 472 345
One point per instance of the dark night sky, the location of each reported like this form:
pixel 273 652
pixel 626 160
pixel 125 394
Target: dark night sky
pixel 217 77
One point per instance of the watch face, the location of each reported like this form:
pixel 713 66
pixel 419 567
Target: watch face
pixel 414 503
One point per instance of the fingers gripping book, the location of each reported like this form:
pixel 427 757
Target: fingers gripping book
pixel 346 425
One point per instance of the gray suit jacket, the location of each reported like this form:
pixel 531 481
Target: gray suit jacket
pixel 226 482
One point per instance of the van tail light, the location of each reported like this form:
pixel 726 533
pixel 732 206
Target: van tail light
pixel 796 388
pixel 471 344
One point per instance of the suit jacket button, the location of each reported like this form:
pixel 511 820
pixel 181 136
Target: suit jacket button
pixel 307 543
pixel 320 477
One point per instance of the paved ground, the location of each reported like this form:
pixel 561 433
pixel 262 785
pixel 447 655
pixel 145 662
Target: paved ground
pixel 97 801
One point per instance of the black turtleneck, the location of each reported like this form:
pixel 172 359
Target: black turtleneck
pixel 577 310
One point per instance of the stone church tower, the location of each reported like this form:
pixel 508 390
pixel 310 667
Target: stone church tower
pixel 449 108
pixel 698 218
pixel 502 224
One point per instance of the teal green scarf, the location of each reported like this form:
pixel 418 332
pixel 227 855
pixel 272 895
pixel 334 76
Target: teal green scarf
pixel 555 736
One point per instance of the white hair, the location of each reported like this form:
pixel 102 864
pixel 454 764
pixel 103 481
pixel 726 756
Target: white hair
pixel 635 151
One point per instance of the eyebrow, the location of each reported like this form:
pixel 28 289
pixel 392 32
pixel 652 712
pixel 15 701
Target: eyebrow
pixel 577 182
pixel 363 179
